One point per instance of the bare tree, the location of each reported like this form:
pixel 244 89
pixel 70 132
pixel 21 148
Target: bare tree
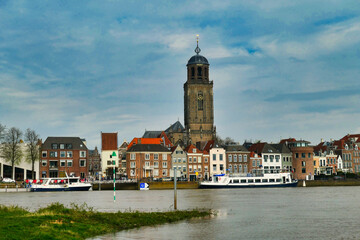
pixel 10 149
pixel 2 132
pixel 32 148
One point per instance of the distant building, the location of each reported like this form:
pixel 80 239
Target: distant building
pixel 109 154
pixel 235 156
pixel 64 155
pixel 94 162
pixel 179 161
pixel 271 157
pixel 194 163
pixel 217 160
pixel 122 158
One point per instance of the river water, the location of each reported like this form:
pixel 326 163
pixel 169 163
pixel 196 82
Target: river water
pixel 278 213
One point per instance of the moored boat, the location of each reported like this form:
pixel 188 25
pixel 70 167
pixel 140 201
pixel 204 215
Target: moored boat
pixel 60 184
pixel 250 181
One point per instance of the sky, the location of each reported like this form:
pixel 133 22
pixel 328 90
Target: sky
pixel 280 68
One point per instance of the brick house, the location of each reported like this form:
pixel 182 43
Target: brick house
pixel 109 154
pixel 64 155
pixel 94 162
pixel 235 156
pixel 195 163
pixel 148 161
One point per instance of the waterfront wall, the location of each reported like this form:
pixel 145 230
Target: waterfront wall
pixel 152 186
pixel 330 183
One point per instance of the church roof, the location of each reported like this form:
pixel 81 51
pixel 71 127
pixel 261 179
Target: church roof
pixel 198 59
pixel 151 134
pixel 176 127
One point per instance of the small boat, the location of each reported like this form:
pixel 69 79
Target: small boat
pixel 60 184
pixel 250 181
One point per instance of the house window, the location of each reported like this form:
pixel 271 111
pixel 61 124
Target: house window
pixel 296 155
pixel 214 157
pixel 245 168
pixel 303 163
pixel 82 163
pixel 184 160
pixel 194 150
pixel 164 172
pixel 156 172
pixel 206 160
pixel 240 168
pixel 164 157
pixel 214 167
pixel 303 170
pixel 147 156
pixel 132 173
pixel 44 154
pixel 62 163
pixel 132 164
pixel 132 156
pixel 82 153
pixel 62 154
pixel 230 158
pixel 245 158
pixel 156 164
pixel 253 163
pixel 235 158
pixel 258 163
pixel 156 156
pixel 235 169
pixel 164 164
pixel 53 154
pixel 265 158
pixel 309 155
pixel 109 162
pixel 184 169
pixel 68 146
pixel 221 157
pixel 44 163
pixel 271 158
pixel 277 157
pixel 54 146
pixel 62 146
pixel 230 167
pixel 199 159
pixel 206 168
pixel 69 154
pixel 147 164
pixel 190 160
pixel 69 163
pixel 221 167
pixel 240 158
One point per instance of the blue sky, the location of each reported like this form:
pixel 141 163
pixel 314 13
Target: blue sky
pixel 280 68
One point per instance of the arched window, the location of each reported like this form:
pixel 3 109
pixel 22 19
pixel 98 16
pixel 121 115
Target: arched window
pixel 206 72
pixel 199 70
pixel 192 71
pixel 200 101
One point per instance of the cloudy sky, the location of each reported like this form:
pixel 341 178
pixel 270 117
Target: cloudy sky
pixel 280 68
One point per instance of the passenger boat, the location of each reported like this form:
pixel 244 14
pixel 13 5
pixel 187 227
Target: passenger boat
pixel 262 180
pixel 60 184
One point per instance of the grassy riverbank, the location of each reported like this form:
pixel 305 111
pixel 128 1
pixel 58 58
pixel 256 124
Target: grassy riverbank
pixel 79 222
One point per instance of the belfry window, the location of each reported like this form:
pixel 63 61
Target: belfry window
pixel 206 72
pixel 200 101
pixel 192 71
pixel 199 70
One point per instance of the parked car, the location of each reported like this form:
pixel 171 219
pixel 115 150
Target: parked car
pixel 8 180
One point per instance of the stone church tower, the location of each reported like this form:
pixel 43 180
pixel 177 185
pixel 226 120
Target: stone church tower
pixel 198 100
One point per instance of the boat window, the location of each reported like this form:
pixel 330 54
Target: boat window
pixel 236 180
pixel 264 180
pixel 250 180
pixel 278 180
pixel 230 181
pixel 243 180
pixel 271 180
pixel 257 180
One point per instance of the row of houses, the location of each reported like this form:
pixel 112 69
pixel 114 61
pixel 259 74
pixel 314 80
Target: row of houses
pixel 156 157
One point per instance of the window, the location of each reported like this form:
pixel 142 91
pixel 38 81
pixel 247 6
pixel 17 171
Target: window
pixel 192 71
pixel 309 155
pixel 68 146
pixel 258 163
pixel 221 167
pixel 271 158
pixel 240 158
pixel 194 150
pixel 132 156
pixel 240 168
pixel 62 163
pixel 62 154
pixel 277 157
pixel 206 168
pixel 199 159
pixel 164 172
pixel 147 156
pixel 303 163
pixel 253 163
pixel 194 160
pixel 82 153
pixel 109 162
pixel 147 164
pixel 199 71
pixel 214 157
pixel 302 155
pixel 132 173
pixel 265 158
pixel 221 157
pixel 314 163
pixel 82 162
pixel 190 168
pixel 164 164
pixel 53 154
pixel 303 170
pixel 62 146
pixel 190 160
pixel 235 168
pixel 156 156
pixel 156 172
pixel 44 163
pixel 206 160
pixel 184 160
pixel 230 168
pixel 54 146
pixel 230 158
pixel 69 154
pixel 235 158
pixel 296 155
pixel 44 154
pixel 69 163
pixel 164 156
pixel 132 164
pixel 200 101
pixel 245 168
pixel 174 160
pixel 214 167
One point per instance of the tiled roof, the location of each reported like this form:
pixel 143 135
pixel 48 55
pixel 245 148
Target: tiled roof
pixel 137 141
pixel 281 147
pixel 109 141
pixel 237 148
pixel 176 127
pixel 148 148
pixel 76 142
pixel 151 134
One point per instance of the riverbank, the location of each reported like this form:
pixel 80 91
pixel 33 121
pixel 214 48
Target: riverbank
pixel 330 183
pixel 80 222
pixel 152 186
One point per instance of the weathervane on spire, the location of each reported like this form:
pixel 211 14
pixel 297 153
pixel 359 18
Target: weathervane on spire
pixel 197 49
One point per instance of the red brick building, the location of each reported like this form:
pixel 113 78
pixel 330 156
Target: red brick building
pixel 64 155
pixel 148 161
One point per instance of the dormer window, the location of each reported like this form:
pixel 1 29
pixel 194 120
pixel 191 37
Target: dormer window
pixel 194 150
pixel 346 147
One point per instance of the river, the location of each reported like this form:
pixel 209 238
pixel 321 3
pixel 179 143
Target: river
pixel 278 213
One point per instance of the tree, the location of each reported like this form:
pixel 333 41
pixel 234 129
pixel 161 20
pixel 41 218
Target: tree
pixel 10 149
pixel 2 132
pixel 32 149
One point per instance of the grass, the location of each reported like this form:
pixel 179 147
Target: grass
pixel 79 222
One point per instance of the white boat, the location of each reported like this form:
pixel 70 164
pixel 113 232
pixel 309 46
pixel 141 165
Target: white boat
pixel 60 184
pixel 250 181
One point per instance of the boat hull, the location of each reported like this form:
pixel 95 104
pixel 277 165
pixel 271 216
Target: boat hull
pixel 220 185
pixel 60 189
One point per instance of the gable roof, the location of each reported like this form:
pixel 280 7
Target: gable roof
pixel 151 134
pixel 190 149
pixel 76 142
pixel 262 148
pixel 148 148
pixel 176 127
pixel 235 148
pixel 281 147
pixel 139 141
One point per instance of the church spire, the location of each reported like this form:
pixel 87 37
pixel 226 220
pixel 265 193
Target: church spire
pixel 197 49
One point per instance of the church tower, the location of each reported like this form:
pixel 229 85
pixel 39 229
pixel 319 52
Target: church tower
pixel 198 100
